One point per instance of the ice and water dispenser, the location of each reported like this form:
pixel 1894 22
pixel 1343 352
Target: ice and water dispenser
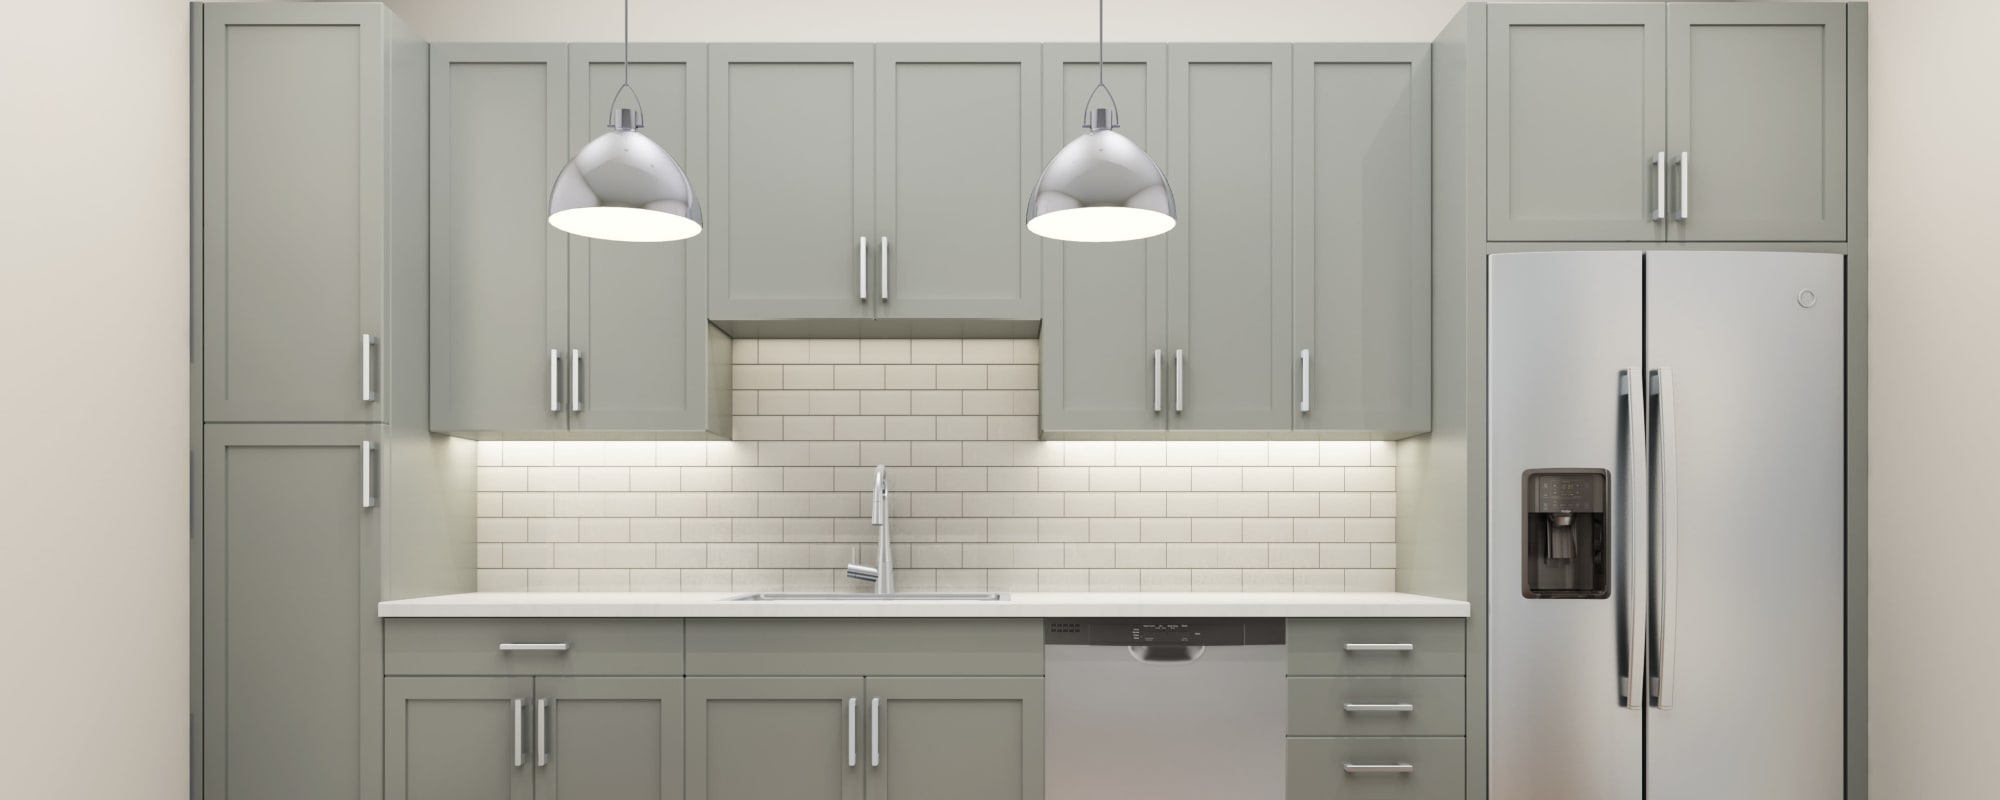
pixel 1564 542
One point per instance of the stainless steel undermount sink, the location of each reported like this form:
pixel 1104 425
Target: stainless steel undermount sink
pixel 851 597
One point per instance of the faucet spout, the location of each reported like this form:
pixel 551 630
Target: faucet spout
pixel 883 574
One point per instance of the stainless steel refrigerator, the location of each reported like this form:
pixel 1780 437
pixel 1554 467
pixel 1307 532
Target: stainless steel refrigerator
pixel 1666 525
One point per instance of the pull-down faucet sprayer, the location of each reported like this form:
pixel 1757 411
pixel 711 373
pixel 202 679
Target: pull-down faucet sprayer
pixel 883 574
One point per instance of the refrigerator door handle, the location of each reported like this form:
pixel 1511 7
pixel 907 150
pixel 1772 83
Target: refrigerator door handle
pixel 1633 493
pixel 1667 539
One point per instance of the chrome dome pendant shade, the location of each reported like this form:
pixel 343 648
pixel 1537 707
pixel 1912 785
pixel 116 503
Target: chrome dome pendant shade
pixel 1101 187
pixel 623 186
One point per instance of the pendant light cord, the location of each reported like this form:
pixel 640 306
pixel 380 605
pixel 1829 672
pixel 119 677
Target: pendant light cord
pixel 1100 75
pixel 626 85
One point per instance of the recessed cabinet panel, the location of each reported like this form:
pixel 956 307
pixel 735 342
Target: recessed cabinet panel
pixel 458 739
pixel 1104 304
pixel 791 180
pixel 499 136
pixel 609 739
pixel 1576 105
pixel 961 738
pixel 764 738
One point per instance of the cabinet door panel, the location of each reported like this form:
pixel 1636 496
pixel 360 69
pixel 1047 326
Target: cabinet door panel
pixel 610 739
pixel 792 163
pixel 499 137
pixel 764 738
pixel 1229 261
pixel 1576 104
pixel 1104 304
pixel 459 739
pixel 1758 100
pixel 1362 239
pixel 292 252
pixel 289 631
pixel 638 311
pixel 958 145
pixel 962 738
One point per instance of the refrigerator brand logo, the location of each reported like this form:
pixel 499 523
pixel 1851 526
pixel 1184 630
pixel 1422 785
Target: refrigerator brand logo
pixel 1807 299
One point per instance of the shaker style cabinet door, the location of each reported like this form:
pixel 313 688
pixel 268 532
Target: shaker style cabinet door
pixel 791 181
pixel 638 326
pixel 1757 121
pixel 607 739
pixel 1104 307
pixel 1576 114
pixel 764 738
pixel 289 553
pixel 292 240
pixel 1229 261
pixel 958 145
pixel 1361 238
pixel 962 738
pixel 499 274
pixel 460 738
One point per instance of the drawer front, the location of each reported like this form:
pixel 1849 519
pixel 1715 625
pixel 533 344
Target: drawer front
pixel 1375 769
pixel 871 647
pixel 1376 646
pixel 1376 707
pixel 533 647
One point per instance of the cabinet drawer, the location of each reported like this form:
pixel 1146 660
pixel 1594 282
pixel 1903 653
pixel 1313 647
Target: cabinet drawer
pixel 532 647
pixel 1375 769
pixel 870 647
pixel 1376 646
pixel 1377 707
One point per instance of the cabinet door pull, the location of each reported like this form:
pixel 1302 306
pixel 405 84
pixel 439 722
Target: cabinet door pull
pixel 1305 381
pixel 1363 769
pixel 1156 381
pixel 367 474
pixel 541 731
pixel 852 703
pixel 520 751
pixel 367 368
pixel 1354 647
pixel 875 732
pixel 1660 186
pixel 1682 165
pixel 885 269
pixel 1180 370
pixel 576 380
pixel 555 381
pixel 1382 707
pixel 550 647
pixel 864 269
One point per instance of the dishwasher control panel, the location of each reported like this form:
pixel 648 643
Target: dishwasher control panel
pixel 1127 633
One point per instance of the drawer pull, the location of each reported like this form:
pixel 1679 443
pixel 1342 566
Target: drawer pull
pixel 555 647
pixel 1392 707
pixel 1376 769
pixel 1379 648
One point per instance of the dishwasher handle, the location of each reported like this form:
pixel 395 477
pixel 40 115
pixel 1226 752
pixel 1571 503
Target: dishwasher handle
pixel 1167 653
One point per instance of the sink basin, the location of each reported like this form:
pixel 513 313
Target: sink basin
pixel 856 597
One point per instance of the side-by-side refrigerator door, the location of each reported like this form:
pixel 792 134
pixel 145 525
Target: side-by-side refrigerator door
pixel 1566 471
pixel 1745 355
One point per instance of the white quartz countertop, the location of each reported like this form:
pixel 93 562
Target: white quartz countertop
pixel 1016 604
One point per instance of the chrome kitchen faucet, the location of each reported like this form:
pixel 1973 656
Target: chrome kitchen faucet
pixel 883 574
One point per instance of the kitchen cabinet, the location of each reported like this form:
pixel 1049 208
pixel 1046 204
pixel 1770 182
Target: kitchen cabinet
pixel 1376 709
pixel 1415 768
pixel 541 737
pixel 1650 122
pixel 535 330
pixel 963 738
pixel 1361 299
pixel 760 738
pixel 295 286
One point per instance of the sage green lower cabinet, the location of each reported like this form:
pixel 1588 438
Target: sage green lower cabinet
pixel 958 738
pixel 1410 768
pixel 459 739
pixel 769 738
pixel 543 738
pixel 608 739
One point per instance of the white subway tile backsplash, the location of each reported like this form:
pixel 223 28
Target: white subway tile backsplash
pixel 981 503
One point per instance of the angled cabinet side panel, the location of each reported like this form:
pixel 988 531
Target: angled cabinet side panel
pixel 499 272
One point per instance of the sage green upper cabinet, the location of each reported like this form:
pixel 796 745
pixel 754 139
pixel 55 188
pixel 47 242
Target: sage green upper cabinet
pixel 608 739
pixel 1577 109
pixel 459 739
pixel 1361 238
pixel 305 140
pixel 1229 261
pixel 790 204
pixel 499 271
pixel 1757 121
pixel 962 738
pixel 1104 325
pixel 958 145
pixel 765 738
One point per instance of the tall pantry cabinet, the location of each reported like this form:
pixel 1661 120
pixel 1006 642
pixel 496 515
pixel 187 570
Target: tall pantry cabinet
pixel 320 490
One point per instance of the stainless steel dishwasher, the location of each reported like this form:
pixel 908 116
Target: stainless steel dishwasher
pixel 1166 709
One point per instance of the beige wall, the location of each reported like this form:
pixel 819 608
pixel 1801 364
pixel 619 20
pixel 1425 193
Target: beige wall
pixel 93 304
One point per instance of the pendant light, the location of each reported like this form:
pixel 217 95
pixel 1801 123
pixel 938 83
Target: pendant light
pixel 623 186
pixel 1101 187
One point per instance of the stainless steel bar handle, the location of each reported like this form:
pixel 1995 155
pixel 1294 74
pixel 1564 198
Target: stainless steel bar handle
pixel 1357 647
pixel 852 703
pixel 1682 164
pixel 1667 539
pixel 367 474
pixel 885 269
pixel 1361 769
pixel 1630 474
pixel 864 269
pixel 1180 373
pixel 875 731
pixel 1156 381
pixel 1384 707
pixel 367 368
pixel 576 380
pixel 547 647
pixel 1305 381
pixel 520 751
pixel 541 731
pixel 555 381
pixel 1660 186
